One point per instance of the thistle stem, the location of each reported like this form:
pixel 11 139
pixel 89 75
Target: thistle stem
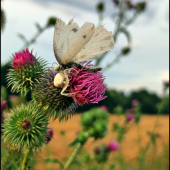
pixel 25 159
pixel 73 155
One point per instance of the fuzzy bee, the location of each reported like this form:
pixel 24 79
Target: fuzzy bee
pixel 73 45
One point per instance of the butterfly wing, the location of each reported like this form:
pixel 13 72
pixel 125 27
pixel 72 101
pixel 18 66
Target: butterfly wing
pixel 70 39
pixel 101 42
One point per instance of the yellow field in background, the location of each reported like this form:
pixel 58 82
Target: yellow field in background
pixel 130 146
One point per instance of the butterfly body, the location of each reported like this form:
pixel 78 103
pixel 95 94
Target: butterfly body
pixel 73 45
pixel 78 65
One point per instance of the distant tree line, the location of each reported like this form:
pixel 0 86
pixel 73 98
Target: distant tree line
pixel 148 101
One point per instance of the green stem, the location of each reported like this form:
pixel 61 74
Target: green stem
pixel 25 159
pixel 116 60
pixel 73 155
pixel 117 29
pixel 33 39
pixel 48 165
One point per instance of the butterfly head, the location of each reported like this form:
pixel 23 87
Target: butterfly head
pixel 57 67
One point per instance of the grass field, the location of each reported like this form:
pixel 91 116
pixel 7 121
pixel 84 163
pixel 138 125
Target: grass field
pixel 135 138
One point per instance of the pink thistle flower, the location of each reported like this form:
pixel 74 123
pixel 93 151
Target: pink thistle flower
pixel 130 117
pixel 113 146
pixel 3 106
pixel 87 86
pixel 104 108
pixel 50 131
pixel 132 110
pixel 49 136
pixel 135 102
pixel 23 58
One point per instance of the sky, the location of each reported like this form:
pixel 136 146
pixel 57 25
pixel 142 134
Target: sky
pixel 146 66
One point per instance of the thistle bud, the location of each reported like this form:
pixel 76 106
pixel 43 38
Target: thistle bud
pixel 135 102
pixel 26 124
pixel 26 127
pixel 104 108
pixel 125 50
pixel 101 153
pixel 26 69
pixel 130 117
pixel 141 6
pixel 100 7
pixel 96 150
pixel 51 21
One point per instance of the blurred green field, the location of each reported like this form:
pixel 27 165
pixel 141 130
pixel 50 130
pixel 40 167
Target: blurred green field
pixel 126 158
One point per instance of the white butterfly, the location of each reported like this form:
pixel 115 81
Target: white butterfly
pixel 73 45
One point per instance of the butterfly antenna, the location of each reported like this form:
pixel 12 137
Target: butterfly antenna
pixel 53 63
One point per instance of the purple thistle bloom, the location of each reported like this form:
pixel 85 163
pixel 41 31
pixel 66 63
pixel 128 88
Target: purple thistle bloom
pixel 132 110
pixel 87 86
pixel 113 146
pixel 50 131
pixel 104 108
pixel 23 58
pixel 130 117
pixel 135 102
pixel 49 136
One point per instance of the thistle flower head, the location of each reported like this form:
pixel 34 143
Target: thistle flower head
pixel 103 107
pixel 130 117
pixel 87 86
pixel 49 135
pixel 113 146
pixel 132 111
pixel 49 97
pixel 22 59
pixel 26 127
pixel 135 102
pixel 101 153
pixel 26 70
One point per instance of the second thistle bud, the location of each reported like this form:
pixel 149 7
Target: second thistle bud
pixel 26 70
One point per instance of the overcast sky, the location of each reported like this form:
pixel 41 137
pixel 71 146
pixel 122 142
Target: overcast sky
pixel 145 67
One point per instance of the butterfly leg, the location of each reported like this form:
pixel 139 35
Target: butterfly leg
pixel 66 84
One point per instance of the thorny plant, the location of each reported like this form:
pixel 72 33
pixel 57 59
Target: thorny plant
pixel 27 129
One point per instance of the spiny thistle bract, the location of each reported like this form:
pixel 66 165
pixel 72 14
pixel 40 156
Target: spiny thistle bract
pixel 26 70
pixel 26 127
pixel 49 97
